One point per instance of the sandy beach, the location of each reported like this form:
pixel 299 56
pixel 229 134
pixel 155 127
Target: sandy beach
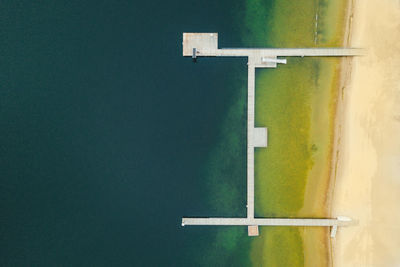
pixel 367 186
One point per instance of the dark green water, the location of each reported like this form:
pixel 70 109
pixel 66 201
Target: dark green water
pixel 109 136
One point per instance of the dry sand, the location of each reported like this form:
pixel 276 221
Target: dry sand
pixel 368 175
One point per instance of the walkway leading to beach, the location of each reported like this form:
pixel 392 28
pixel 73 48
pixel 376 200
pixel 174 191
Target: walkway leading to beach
pixel 267 221
pixel 206 45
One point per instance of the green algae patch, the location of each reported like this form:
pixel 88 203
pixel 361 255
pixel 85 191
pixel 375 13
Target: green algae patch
pixel 287 244
pixel 225 170
pixel 297 105
pixel 281 23
pixel 284 106
pixel 225 182
pixel 230 247
pixel 330 30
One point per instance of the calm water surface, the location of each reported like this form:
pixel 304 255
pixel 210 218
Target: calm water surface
pixel 107 134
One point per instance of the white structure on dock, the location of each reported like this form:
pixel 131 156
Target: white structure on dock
pixel 206 45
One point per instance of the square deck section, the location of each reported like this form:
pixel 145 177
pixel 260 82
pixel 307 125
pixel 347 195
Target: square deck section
pixel 206 44
pixel 252 230
pixel 260 137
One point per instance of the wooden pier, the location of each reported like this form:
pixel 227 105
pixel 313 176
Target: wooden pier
pixel 206 45
pixel 341 221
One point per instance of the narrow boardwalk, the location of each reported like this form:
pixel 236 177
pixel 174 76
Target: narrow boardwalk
pixel 266 221
pixel 250 139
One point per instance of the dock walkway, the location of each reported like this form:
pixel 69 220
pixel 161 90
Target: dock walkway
pixel 267 221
